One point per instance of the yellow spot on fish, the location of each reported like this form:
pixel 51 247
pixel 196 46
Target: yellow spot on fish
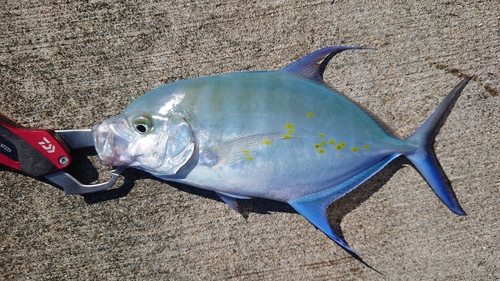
pixel 249 158
pixel 321 135
pixel 289 126
pixel 340 156
pixel 319 145
pixel 331 142
pixel 310 114
pixel 245 151
pixel 340 146
pixel 321 151
pixel 286 137
pixel 266 142
pixel 291 131
pixel 354 149
pixel 366 147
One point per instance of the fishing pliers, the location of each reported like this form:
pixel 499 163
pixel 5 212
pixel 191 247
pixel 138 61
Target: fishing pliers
pixel 46 153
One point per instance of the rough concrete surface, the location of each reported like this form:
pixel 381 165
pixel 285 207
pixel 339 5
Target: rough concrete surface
pixel 71 64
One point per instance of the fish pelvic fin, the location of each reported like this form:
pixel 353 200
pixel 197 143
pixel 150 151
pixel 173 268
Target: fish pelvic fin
pixel 424 158
pixel 313 66
pixel 231 199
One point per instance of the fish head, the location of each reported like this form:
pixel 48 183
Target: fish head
pixel 158 144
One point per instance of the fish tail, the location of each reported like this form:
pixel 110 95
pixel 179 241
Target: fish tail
pixel 424 158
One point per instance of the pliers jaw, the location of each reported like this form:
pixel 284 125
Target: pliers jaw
pixel 47 153
pixel 70 185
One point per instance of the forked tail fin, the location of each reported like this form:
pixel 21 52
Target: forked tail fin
pixel 424 157
pixel 313 206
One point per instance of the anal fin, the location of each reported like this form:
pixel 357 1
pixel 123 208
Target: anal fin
pixel 313 206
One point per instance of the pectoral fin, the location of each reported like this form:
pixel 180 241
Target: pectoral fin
pixel 237 150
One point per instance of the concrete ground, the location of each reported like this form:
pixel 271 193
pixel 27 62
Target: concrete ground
pixel 71 64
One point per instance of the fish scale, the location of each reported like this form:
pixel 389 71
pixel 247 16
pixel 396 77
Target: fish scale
pixel 282 135
pixel 298 128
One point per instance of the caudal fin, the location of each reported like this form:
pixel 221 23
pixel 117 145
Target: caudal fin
pixel 424 157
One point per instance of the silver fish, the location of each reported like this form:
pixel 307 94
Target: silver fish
pixel 282 135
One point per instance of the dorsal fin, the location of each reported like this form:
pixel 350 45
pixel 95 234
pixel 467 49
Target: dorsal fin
pixel 313 65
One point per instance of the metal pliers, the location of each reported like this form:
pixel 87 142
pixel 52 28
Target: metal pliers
pixel 41 153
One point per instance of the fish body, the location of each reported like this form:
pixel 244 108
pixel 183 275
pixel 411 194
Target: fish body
pixel 282 135
pixel 289 136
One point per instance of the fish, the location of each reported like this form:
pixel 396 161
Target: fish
pixel 282 135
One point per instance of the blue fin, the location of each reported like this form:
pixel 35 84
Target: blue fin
pixel 310 66
pixel 424 157
pixel 231 199
pixel 313 206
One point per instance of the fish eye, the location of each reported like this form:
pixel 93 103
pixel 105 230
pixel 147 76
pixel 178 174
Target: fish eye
pixel 143 123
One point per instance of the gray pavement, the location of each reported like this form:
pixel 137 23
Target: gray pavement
pixel 71 64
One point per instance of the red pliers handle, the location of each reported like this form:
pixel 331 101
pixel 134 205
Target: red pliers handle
pixel 46 153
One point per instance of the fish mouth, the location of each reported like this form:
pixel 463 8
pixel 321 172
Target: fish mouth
pixel 111 147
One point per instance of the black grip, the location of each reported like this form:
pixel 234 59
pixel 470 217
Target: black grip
pixel 8 149
pixel 23 157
